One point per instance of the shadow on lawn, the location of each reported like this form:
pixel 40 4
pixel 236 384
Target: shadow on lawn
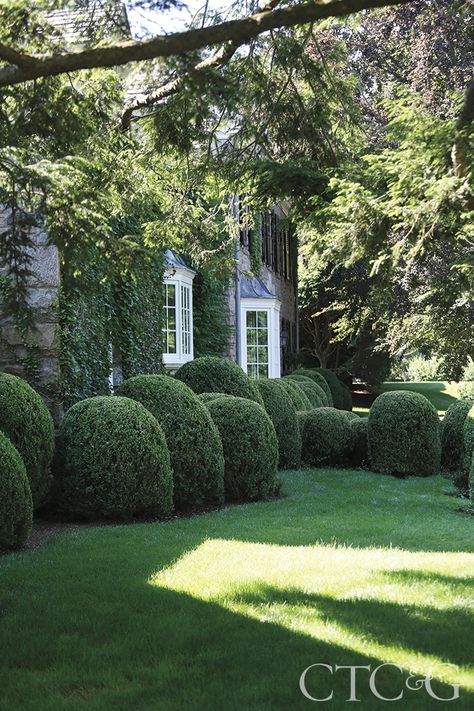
pixel 118 642
pixel 426 630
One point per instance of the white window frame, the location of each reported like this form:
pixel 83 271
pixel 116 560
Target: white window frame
pixel 182 280
pixel 272 309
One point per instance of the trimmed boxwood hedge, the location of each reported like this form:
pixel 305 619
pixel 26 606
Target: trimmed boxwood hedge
pixel 318 379
pixel 335 386
pixel 250 448
pixel 471 480
pixel 452 436
pixel 26 421
pixel 279 407
pixel 193 440
pixel 112 461
pixel 468 440
pixel 327 437
pixel 315 388
pixel 314 394
pixel 299 398
pixel 211 374
pixel 207 397
pixel 404 435
pixel 16 503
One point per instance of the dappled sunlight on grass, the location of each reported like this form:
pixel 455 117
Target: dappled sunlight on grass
pixel 401 607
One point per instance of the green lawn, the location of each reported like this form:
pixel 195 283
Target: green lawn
pixel 224 611
pixel 441 394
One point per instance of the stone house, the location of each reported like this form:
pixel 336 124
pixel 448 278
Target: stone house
pixel 261 308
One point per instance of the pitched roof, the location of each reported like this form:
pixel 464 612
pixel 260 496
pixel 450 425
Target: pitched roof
pixel 91 21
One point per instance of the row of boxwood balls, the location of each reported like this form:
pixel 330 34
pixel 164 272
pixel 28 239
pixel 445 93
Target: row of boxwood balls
pixel 208 435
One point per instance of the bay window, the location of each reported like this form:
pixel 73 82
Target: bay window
pixel 260 344
pixel 177 312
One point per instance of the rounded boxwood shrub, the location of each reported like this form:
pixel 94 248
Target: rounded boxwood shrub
pixel 314 385
pixel 318 379
pixel 452 436
pixel 334 385
pixel 314 394
pixel 207 397
pixel 327 437
pixel 250 448
pixel 210 374
pixel 404 434
pixel 26 421
pixel 299 398
pixel 112 461
pixel 16 503
pixel 193 440
pixel 279 407
pixel 359 455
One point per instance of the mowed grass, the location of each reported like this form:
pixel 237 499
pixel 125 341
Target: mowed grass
pixel 225 610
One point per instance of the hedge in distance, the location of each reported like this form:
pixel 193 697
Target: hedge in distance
pixel 210 374
pixel 26 421
pixel 299 398
pixel 250 448
pixel 327 437
pixel 346 397
pixel 334 385
pixel 112 461
pixel 279 407
pixel 193 440
pixel 452 436
pixel 404 435
pixel 16 503
pixel 315 388
pixel 318 379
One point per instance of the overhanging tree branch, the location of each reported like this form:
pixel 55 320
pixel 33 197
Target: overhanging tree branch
pixel 216 60
pixel 239 31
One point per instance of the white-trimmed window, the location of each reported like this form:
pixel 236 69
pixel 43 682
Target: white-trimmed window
pixel 260 343
pixel 178 317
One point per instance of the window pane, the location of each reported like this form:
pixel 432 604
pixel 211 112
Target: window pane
pixel 262 337
pixel 251 337
pixel 262 354
pixel 251 319
pixel 171 293
pixel 262 319
pixel 171 342
pixel 252 371
pixel 263 371
pixel 251 354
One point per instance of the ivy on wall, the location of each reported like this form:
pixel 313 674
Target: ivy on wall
pixel 211 330
pixel 85 318
pixel 138 300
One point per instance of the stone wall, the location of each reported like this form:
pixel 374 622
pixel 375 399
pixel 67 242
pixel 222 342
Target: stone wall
pixel 35 355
